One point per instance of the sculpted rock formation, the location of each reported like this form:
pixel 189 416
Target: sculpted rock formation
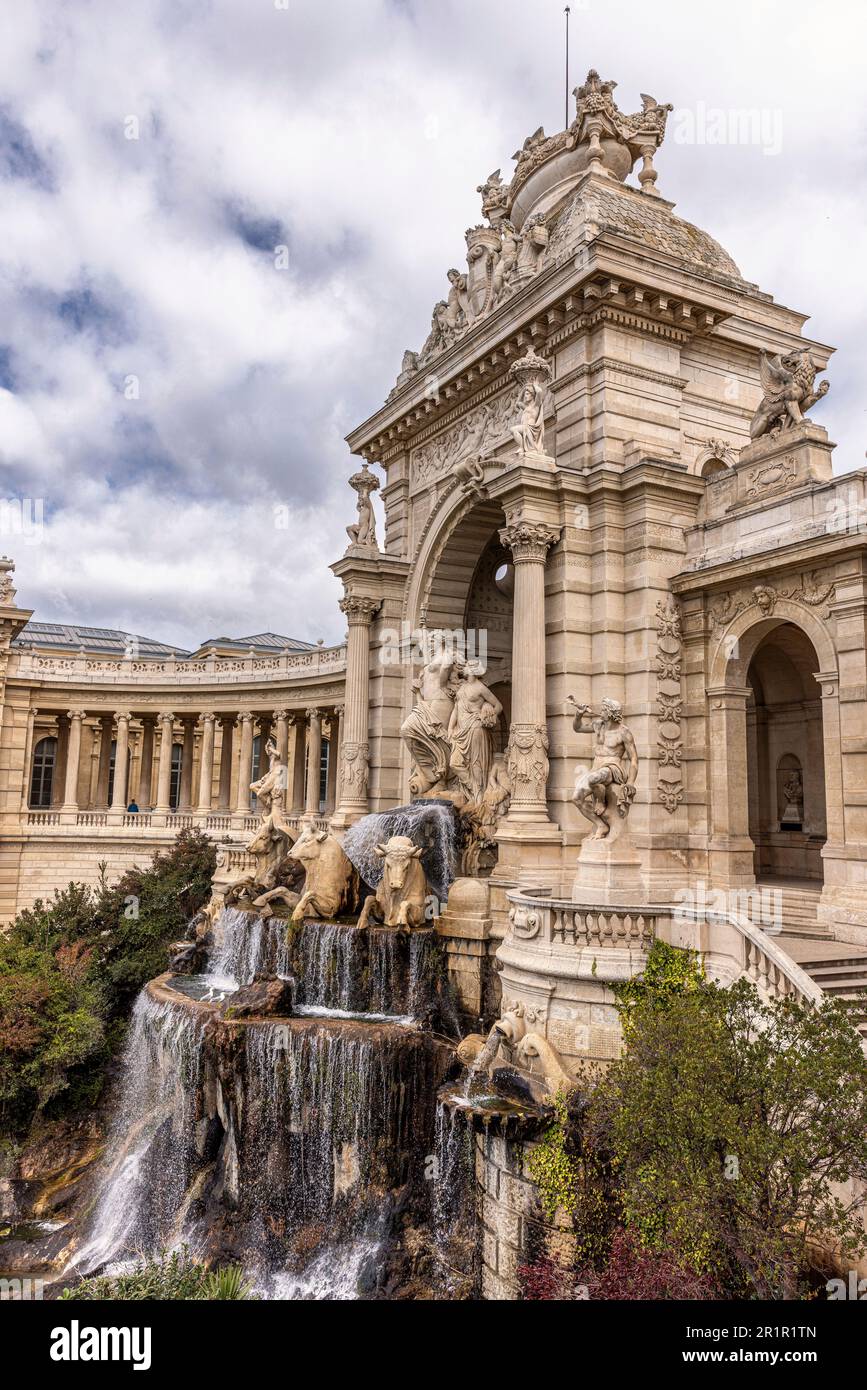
pixel 615 765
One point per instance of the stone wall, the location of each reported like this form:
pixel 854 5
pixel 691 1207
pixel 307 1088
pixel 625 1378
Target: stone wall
pixel 512 1226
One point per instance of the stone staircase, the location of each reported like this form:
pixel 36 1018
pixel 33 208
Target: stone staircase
pixel 838 969
pixel 842 977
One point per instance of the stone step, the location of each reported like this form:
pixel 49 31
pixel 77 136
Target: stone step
pixel 850 969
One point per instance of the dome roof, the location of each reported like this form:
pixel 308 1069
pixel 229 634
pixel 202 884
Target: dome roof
pixel 598 205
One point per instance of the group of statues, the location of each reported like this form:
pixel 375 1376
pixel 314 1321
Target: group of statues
pixel 451 734
pixel 499 260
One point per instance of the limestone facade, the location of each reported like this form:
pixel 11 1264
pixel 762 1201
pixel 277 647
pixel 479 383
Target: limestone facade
pixel 180 738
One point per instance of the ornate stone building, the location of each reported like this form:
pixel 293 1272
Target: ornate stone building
pixel 595 475
pixel 96 722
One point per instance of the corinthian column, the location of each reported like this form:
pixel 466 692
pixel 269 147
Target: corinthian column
pixel 164 775
pixel 314 761
pixel 527 756
pixel 121 761
pixel 354 747
pixel 206 770
pixel 299 746
pixel 245 763
pixel 73 756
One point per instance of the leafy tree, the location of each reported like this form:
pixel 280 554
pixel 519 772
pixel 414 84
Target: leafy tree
pixel 735 1127
pixel 69 970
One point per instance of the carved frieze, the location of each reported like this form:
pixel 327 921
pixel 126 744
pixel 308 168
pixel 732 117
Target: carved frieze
pixel 669 703
pixel 809 589
pixel 527 761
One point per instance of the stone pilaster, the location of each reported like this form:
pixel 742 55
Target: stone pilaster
pixel 185 791
pixel 245 762
pixel 73 758
pixel 299 755
pixel 144 790
pixel 224 800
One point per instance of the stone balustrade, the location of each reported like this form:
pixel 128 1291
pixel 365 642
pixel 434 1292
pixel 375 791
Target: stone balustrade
pixel 25 663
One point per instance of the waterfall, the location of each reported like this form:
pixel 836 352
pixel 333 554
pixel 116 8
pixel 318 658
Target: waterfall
pixel 431 824
pixel 152 1138
pixel 330 965
pixel 453 1218
pixel 246 945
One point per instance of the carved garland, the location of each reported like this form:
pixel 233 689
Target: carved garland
pixel 669 667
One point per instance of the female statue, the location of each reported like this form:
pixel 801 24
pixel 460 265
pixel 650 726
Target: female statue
pixel 474 716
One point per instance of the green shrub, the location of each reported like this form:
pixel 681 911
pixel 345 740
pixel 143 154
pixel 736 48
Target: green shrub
pixel 175 1277
pixel 70 969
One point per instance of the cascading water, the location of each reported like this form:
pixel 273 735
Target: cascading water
pixel 154 1136
pixel 429 823
pixel 297 1145
pixel 246 945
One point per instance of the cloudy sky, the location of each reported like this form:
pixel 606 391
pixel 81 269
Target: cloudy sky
pixel 174 395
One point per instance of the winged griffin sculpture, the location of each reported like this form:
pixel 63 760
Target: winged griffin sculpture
pixel 787 383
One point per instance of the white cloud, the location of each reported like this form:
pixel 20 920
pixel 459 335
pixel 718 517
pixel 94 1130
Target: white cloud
pixel 356 131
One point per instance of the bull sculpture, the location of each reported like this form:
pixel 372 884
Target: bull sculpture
pixel 330 881
pixel 399 900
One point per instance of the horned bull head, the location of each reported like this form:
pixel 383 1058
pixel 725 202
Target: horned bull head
pixel 308 845
pixel 397 852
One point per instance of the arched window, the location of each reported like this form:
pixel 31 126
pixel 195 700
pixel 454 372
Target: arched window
pixel 42 777
pixel 177 763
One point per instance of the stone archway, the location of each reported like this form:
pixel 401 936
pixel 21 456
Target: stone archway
pixel 785 757
pixel 787 651
pixel 460 588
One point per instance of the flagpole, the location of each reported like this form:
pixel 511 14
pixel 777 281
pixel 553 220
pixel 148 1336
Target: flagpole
pixel 567 67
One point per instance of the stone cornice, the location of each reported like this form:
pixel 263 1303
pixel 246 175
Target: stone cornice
pixel 555 302
pixel 816 554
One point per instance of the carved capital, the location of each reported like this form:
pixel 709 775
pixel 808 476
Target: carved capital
pixel 280 714
pixel 209 717
pixel 529 541
pixel 166 717
pixel 74 714
pixel 313 713
pixel 358 609
pixel 245 716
